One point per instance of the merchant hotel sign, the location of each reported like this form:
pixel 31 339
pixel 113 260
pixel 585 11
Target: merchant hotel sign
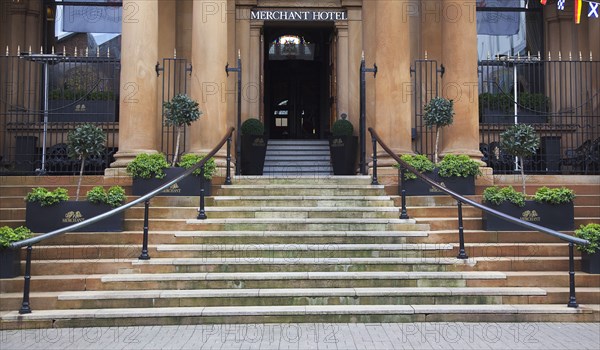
pixel 298 15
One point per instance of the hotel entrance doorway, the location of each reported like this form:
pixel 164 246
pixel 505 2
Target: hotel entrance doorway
pixel 297 81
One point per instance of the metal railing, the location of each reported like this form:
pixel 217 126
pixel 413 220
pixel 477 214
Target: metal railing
pixel 25 306
pixel 460 200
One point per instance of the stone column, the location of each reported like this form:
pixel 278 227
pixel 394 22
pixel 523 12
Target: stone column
pixel 355 41
pixel 342 76
pixel 138 109
pixel 392 51
pixel 167 19
pixel 209 79
pixel 459 50
pixel 252 91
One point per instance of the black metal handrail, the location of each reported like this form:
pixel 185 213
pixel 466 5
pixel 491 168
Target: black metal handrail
pixel 460 199
pixel 25 307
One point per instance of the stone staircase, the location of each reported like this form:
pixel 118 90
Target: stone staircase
pixel 297 157
pixel 298 249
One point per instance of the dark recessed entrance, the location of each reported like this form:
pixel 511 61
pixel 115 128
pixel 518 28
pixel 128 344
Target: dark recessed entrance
pixel 297 81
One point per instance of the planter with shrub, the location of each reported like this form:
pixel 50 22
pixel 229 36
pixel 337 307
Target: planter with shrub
pixel 549 207
pixel 10 259
pixel 254 147
pixel 590 254
pixel 455 172
pixel 150 171
pixel 51 210
pixel 343 145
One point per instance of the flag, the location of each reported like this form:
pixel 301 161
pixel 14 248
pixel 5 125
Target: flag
pixel 92 19
pixel 498 22
pixel 593 12
pixel 577 8
pixel 560 4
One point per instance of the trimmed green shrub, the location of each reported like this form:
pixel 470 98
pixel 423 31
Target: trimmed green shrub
pixel 591 232
pixel 146 166
pixel 419 162
pixel 115 196
pixel 458 165
pixel 497 195
pixel 342 127
pixel 47 198
pixel 179 112
pixel 9 235
pixel 253 127
pixel 189 160
pixel 554 195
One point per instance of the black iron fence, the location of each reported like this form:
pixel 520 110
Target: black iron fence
pixel 43 97
pixel 560 99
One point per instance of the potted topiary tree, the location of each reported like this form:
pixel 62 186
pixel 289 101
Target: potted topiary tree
pixel 343 146
pixel 439 112
pixel 51 210
pixel 179 112
pixel 549 207
pixel 10 259
pixel 590 254
pixel 150 171
pixel 254 147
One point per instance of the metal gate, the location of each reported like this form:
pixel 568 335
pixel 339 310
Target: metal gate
pixel 426 77
pixel 43 97
pixel 175 75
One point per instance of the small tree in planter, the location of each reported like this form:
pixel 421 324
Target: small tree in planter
pixel 179 112
pixel 590 254
pixel 10 260
pixel 521 141
pixel 439 112
pixel 254 147
pixel 343 145
pixel 85 141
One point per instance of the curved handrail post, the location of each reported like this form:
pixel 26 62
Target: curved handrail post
pixel 461 235
pixel 25 308
pixel 572 299
pixel 403 212
pixel 144 255
pixel 228 170
pixel 201 210
pixel 374 181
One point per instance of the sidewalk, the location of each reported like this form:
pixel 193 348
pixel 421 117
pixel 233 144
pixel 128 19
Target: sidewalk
pixel 314 336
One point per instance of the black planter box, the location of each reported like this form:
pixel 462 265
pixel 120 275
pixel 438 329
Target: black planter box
pixel 559 217
pixel 343 154
pixel 254 149
pixel 10 263
pixel 417 187
pixel 590 263
pixel 81 111
pixel 45 219
pixel 189 186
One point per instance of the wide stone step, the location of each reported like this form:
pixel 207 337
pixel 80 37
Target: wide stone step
pixel 303 212
pixel 303 201
pixel 302 190
pixel 308 179
pixel 269 159
pixel 304 313
pixel 277 296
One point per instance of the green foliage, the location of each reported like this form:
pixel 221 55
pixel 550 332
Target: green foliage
pixel 419 162
pixel 189 160
pixel 439 112
pixel 519 140
pixel 181 110
pixel 458 165
pixel 115 196
pixel 505 102
pixel 342 127
pixel 60 94
pixel 45 197
pixel 534 101
pixel 9 235
pixel 554 195
pixel 502 102
pixel 253 127
pixel 146 166
pixel 498 196
pixel 85 141
pixel 590 232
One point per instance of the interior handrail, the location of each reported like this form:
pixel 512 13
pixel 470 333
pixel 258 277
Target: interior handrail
pixel 488 210
pixel 148 196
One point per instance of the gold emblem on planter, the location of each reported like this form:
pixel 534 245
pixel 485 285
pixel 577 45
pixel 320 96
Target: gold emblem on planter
pixel 173 189
pixel 73 217
pixel 530 215
pixel 337 143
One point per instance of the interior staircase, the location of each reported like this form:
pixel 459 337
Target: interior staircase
pixel 296 249
pixel 297 157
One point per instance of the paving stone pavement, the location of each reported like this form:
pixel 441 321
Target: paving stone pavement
pixel 313 336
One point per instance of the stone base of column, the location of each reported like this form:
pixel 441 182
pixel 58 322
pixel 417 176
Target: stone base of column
pixel 125 157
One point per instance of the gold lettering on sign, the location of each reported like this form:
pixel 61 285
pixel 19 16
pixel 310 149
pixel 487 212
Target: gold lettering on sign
pixel 72 217
pixel 173 189
pixel 531 216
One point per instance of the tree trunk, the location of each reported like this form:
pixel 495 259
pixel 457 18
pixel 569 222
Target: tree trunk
pixel 522 174
pixel 176 147
pixel 80 177
pixel 437 141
